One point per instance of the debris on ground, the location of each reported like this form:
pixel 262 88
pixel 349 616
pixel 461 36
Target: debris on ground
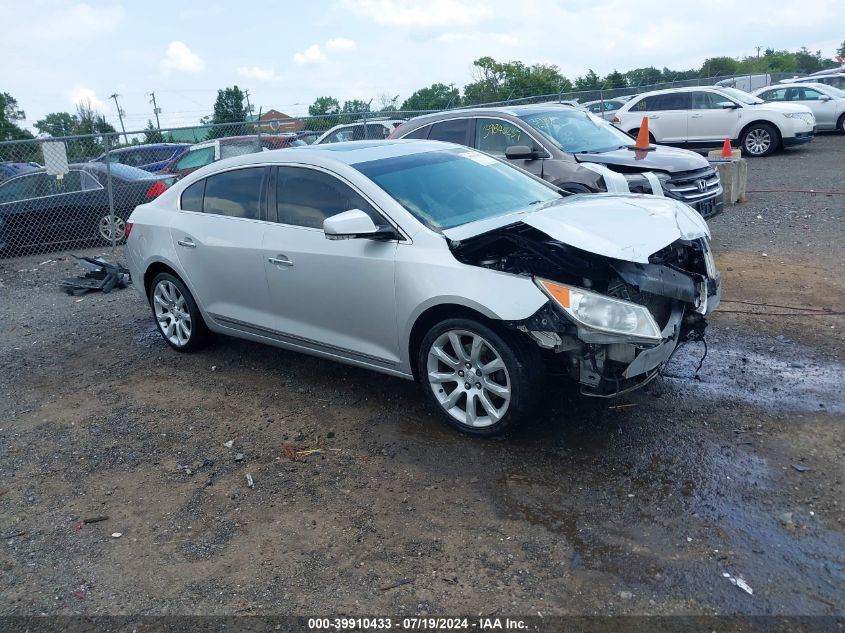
pixel 229 444
pixel 116 534
pixel 737 581
pixel 249 481
pixel 398 583
pixel 289 452
pixel 15 534
pixel 309 451
pixel 801 468
pixel 96 519
pixel 239 457
pixel 99 275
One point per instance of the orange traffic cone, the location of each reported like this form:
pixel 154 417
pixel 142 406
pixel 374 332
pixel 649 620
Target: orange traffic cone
pixel 727 152
pixel 642 143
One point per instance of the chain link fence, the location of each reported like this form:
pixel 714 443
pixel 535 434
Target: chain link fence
pixel 76 192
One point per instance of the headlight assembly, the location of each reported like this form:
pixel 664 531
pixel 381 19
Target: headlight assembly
pixel 806 117
pixel 602 313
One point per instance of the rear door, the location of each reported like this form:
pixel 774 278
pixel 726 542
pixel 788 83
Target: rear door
pixel 824 111
pixel 453 131
pixel 217 236
pixel 666 114
pixel 494 136
pixel 708 121
pixel 333 296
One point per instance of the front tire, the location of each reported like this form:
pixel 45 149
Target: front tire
pixel 176 313
pixel 840 124
pixel 481 381
pixel 760 139
pixel 105 228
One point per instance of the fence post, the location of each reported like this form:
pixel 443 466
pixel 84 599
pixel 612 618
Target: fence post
pixel 112 217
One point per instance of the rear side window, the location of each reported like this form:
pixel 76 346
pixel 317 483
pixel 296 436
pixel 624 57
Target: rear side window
pixel 454 131
pixel 196 158
pixel 420 132
pixel 494 136
pixel 192 196
pixel 235 194
pixel 306 197
pixel 671 101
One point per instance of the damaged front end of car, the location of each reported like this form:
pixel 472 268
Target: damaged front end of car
pixel 611 323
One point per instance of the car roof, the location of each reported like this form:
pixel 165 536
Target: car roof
pixel 514 110
pixel 133 148
pixel 666 91
pixel 797 84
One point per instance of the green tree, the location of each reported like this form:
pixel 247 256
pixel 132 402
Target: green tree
pixel 590 81
pixel 90 123
pixel 614 80
pixel 809 62
pixel 152 134
pixel 643 76
pixel 840 53
pixel 501 81
pixel 386 103
pixel 435 97
pixel 58 124
pixel 229 108
pixel 323 106
pixel 355 106
pixel 719 67
pixel 10 114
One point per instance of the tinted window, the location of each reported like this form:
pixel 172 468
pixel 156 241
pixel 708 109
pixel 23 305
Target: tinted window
pixel 455 131
pixel 494 136
pixel 196 158
pixel 803 94
pixel 774 95
pixel 421 132
pixel 706 101
pixel 306 197
pixel 193 195
pixel 671 101
pixel 236 193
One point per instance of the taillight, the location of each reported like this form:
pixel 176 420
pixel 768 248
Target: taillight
pixel 156 189
pixel 615 119
pixel 128 229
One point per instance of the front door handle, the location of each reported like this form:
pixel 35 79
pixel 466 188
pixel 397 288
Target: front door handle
pixel 696 116
pixel 280 260
pixel 653 116
pixel 187 243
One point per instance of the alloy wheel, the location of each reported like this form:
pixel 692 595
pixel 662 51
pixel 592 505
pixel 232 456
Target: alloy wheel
pixel 469 378
pixel 172 314
pixel 758 141
pixel 106 228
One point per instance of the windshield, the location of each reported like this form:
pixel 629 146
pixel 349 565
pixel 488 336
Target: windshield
pixel 577 131
pixel 448 188
pixel 739 95
pixel 834 92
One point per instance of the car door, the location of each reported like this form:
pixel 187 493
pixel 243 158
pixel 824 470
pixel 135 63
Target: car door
pixel 452 131
pixel 332 296
pixel 824 110
pixel 666 114
pixel 708 120
pixel 493 136
pixel 217 235
pixel 22 201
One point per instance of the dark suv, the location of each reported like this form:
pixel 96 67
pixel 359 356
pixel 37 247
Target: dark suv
pixel 575 151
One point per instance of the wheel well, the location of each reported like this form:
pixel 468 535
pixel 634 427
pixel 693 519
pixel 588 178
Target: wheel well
pixel 151 273
pixel 636 131
pixel 432 316
pixel 839 120
pixel 758 122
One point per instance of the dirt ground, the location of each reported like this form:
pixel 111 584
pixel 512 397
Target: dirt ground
pixel 631 506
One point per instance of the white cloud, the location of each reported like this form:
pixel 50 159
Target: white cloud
pixel 257 73
pixel 311 55
pixel 341 44
pixel 412 13
pixel 180 58
pixel 82 95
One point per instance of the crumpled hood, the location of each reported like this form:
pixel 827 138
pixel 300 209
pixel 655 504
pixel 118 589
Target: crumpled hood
pixel 661 158
pixel 629 227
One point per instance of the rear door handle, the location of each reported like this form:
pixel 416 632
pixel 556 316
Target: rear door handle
pixel 696 116
pixel 653 116
pixel 187 243
pixel 280 260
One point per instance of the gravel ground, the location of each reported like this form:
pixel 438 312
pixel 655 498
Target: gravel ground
pixel 632 506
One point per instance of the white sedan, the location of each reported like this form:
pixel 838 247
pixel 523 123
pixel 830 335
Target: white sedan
pixel 826 102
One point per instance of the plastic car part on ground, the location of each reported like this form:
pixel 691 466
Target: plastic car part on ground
pixel 99 275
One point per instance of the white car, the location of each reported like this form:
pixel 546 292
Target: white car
pixel 706 116
pixel 826 102
pixel 837 80
pixel 373 131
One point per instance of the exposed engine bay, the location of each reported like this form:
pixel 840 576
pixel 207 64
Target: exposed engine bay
pixel 678 286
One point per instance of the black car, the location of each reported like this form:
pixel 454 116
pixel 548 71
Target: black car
pixel 38 209
pixel 575 151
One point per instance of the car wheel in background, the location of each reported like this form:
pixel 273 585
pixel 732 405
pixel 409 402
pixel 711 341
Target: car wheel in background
pixel 840 124
pixel 105 228
pixel 176 314
pixel 759 139
pixel 480 381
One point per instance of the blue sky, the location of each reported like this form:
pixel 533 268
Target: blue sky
pixel 286 54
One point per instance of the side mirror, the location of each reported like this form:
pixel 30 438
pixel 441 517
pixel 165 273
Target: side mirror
pixel 521 151
pixel 352 224
pixel 728 105
pixel 824 98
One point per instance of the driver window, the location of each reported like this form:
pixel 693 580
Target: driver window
pixel 706 101
pixel 306 197
pixel 494 136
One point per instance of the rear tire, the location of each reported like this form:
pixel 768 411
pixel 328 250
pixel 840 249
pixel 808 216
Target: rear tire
pixel 176 313
pixel 105 227
pixel 481 381
pixel 759 139
pixel 840 124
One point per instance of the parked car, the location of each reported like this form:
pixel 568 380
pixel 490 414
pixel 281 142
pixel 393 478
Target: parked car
pixel 153 157
pixel 826 102
pixel 603 108
pixel 208 152
pixel 829 71
pixel 358 131
pixel 746 83
pixel 427 261
pixel 39 209
pixel 307 136
pixel 9 169
pixel 575 151
pixel 705 116
pixel 837 80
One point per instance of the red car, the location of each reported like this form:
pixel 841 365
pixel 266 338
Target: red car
pixel 207 152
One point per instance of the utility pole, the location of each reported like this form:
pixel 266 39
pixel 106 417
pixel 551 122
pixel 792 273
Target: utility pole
pixel 758 51
pixel 156 109
pixel 119 115
pixel 248 106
